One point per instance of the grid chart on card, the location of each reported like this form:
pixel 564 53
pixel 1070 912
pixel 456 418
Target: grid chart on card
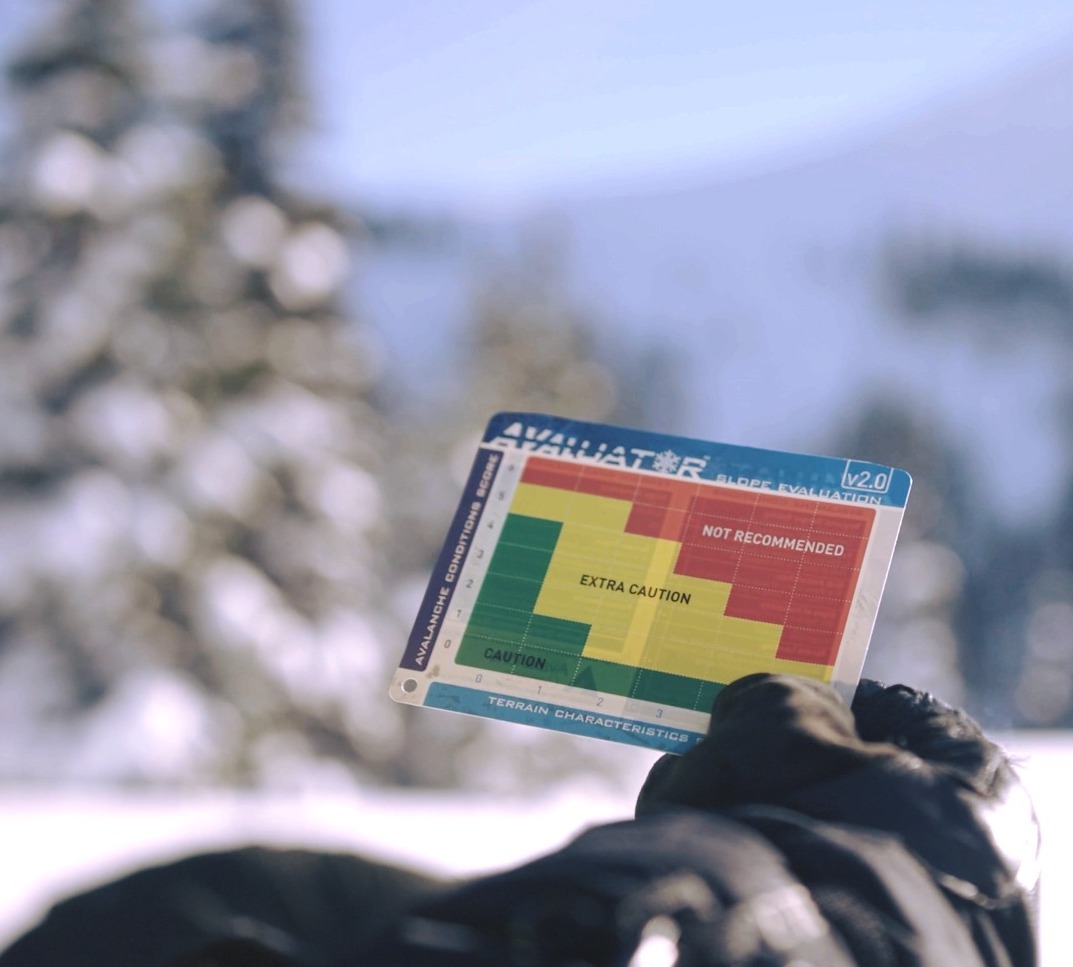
pixel 653 588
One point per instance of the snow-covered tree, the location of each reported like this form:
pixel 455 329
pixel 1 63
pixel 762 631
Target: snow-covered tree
pixel 189 496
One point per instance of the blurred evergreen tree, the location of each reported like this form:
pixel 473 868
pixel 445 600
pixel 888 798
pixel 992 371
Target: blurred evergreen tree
pixel 991 290
pixel 189 463
pixel 1015 619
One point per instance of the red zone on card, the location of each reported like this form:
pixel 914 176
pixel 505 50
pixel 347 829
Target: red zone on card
pixel 807 593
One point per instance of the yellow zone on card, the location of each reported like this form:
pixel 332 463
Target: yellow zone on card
pixel 641 613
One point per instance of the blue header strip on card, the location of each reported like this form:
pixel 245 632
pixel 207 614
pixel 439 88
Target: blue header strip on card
pixel 805 475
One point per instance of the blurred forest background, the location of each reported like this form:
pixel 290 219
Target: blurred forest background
pixel 220 498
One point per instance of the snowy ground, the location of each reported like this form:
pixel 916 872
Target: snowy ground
pixel 52 843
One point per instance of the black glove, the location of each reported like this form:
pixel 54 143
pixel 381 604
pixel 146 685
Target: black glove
pixel 770 736
pixel 898 762
pixel 777 739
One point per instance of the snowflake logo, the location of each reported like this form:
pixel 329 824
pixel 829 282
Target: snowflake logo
pixel 666 462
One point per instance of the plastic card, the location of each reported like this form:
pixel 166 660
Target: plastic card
pixel 608 582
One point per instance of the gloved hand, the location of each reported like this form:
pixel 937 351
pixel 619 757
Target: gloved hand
pixel 953 745
pixel 770 736
pixel 898 761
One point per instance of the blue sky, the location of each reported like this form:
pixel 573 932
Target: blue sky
pixel 510 99
pixel 507 100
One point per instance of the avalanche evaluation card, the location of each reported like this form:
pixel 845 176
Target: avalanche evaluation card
pixel 608 582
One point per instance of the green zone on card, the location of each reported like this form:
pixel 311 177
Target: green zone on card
pixel 609 582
